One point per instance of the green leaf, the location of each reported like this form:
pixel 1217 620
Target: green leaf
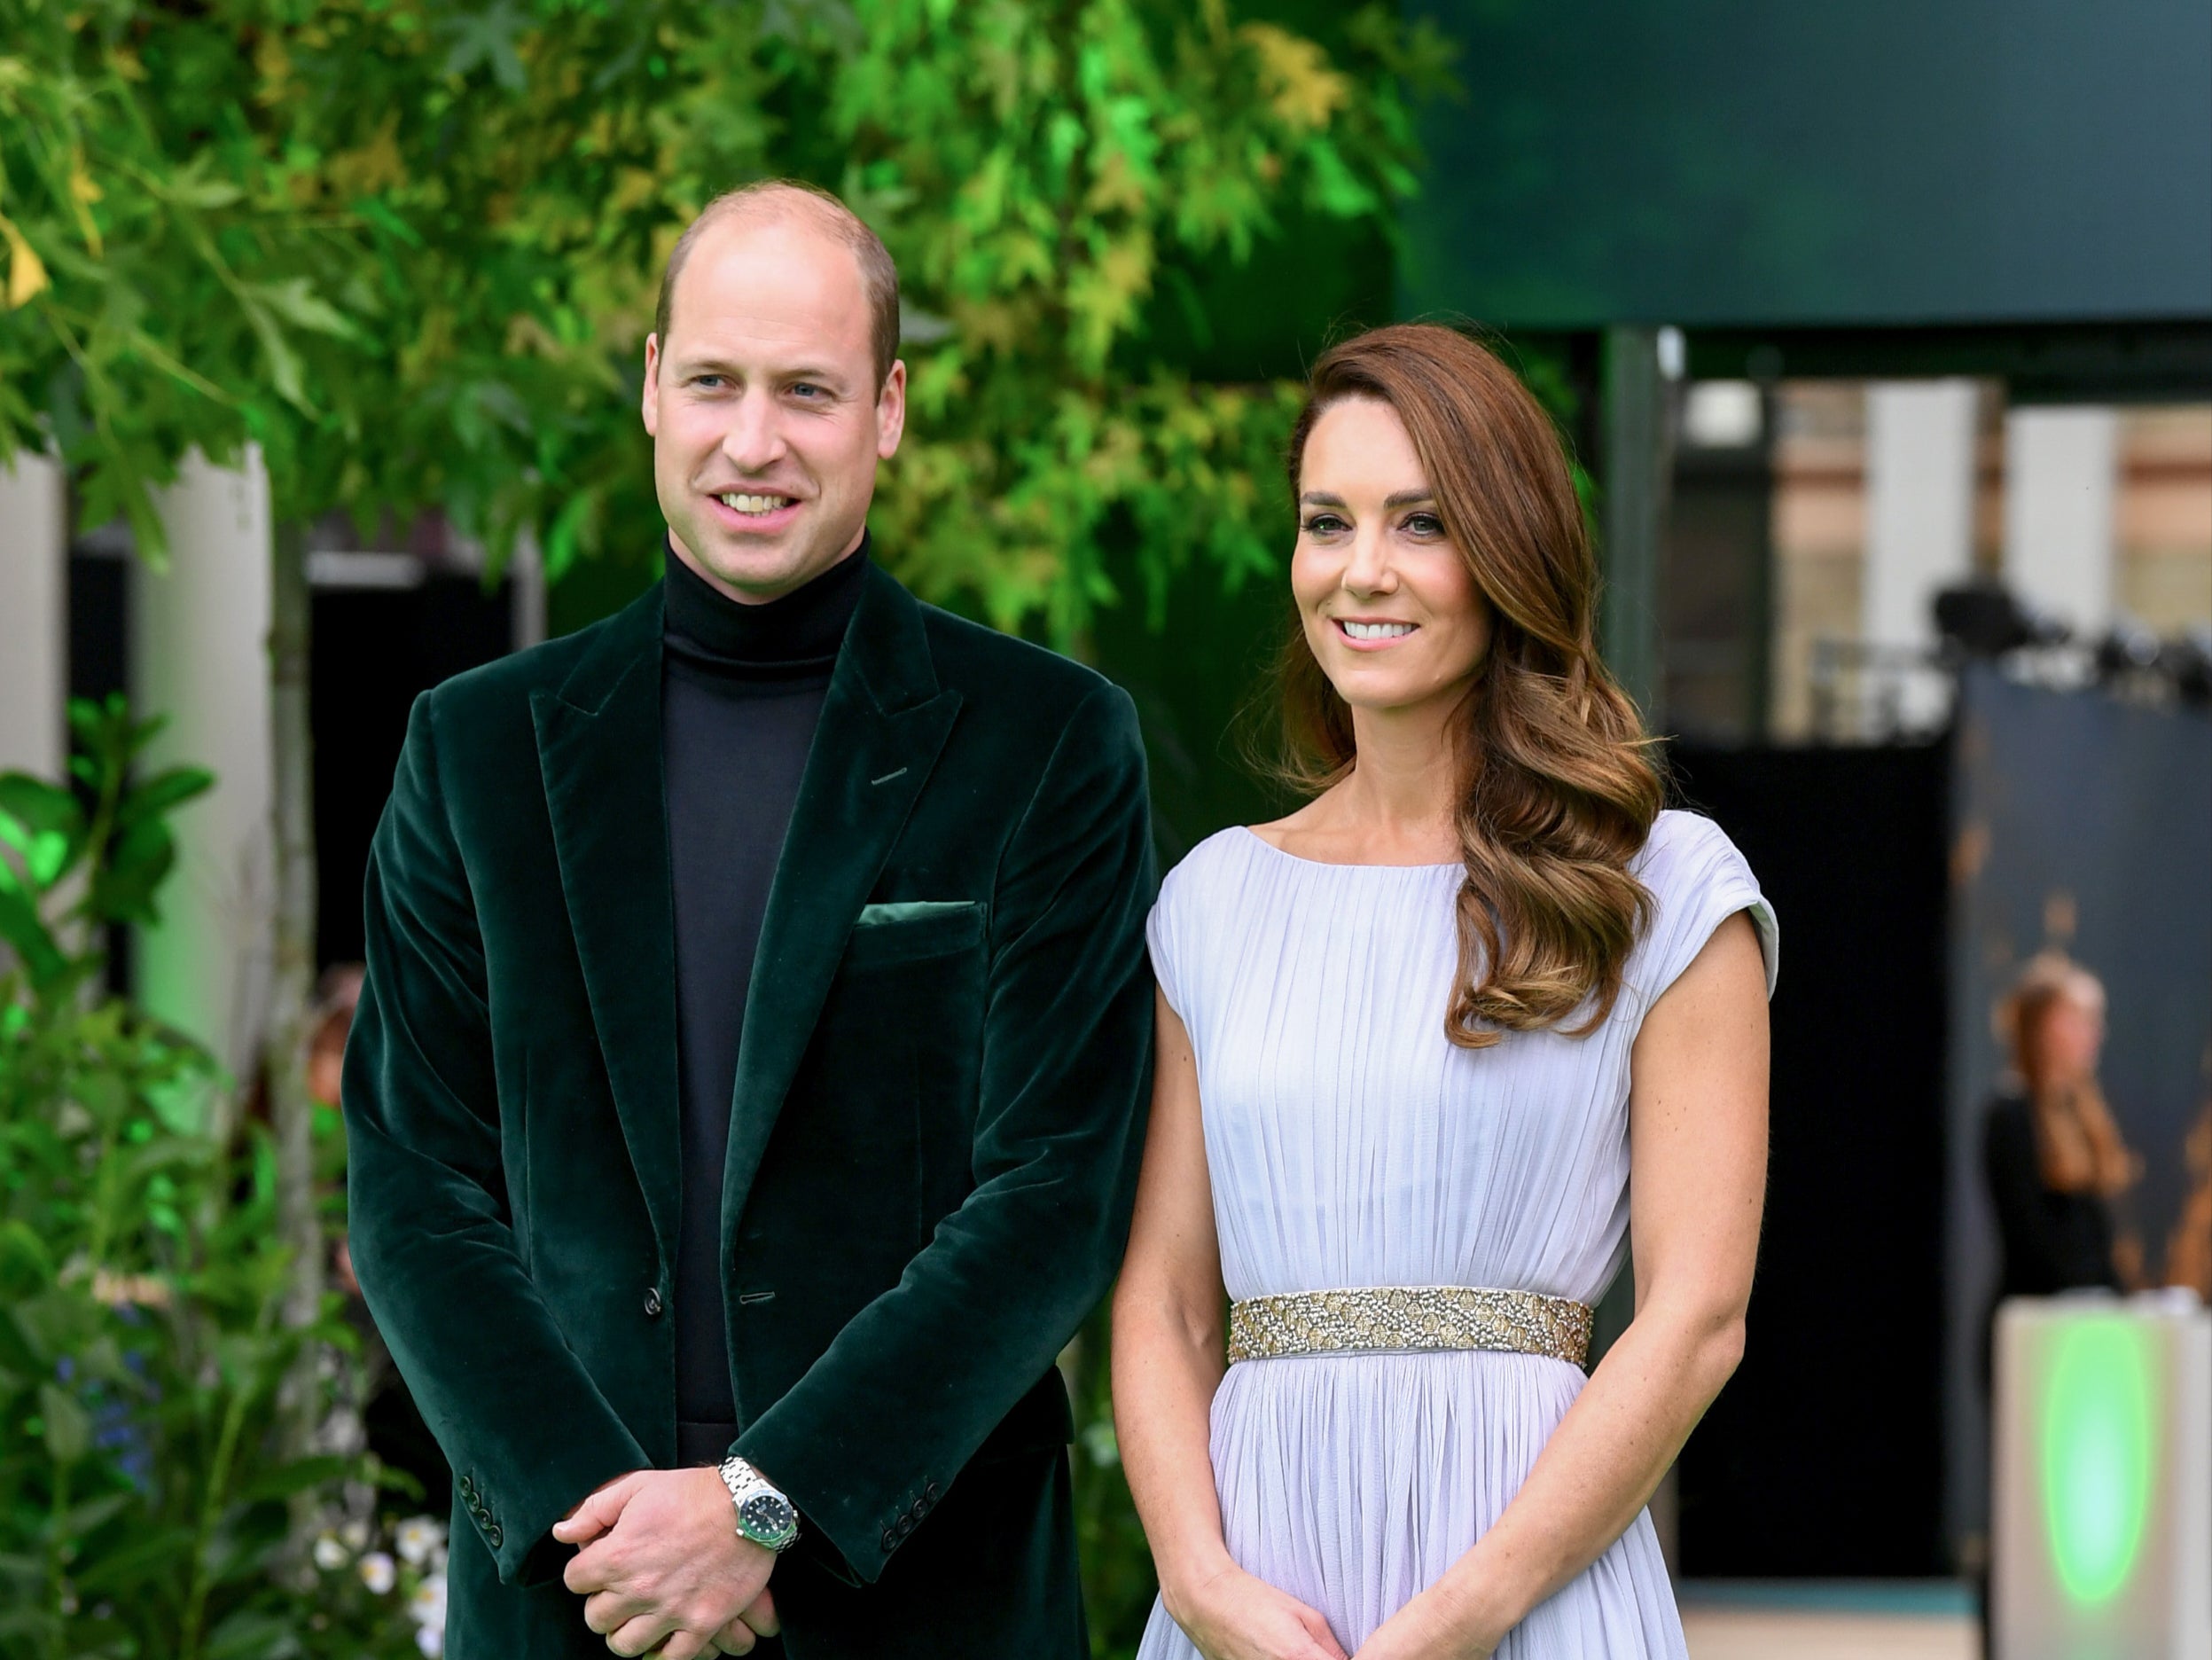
pixel 295 300
pixel 93 1514
pixel 26 1267
pixel 163 793
pixel 283 363
pixel 137 863
pixel 285 1479
pixel 20 927
pixel 39 807
pixel 249 1634
pixel 151 1557
pixel 68 1428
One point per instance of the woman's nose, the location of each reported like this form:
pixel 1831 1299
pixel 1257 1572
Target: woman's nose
pixel 1368 571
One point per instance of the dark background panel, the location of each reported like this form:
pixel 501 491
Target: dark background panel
pixel 1823 1455
pixel 375 650
pixel 1889 161
pixel 2083 823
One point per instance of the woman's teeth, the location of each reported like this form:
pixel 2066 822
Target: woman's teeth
pixel 1375 631
pixel 736 503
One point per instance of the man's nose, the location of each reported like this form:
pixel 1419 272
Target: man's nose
pixel 753 441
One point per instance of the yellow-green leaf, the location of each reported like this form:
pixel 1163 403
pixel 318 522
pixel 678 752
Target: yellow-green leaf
pixel 27 272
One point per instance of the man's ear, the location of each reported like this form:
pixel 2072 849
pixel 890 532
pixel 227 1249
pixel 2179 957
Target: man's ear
pixel 891 411
pixel 649 400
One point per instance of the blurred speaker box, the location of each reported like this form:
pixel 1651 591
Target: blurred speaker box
pixel 2101 1536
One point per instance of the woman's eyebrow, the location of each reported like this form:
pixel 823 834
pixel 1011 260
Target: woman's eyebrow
pixel 1401 499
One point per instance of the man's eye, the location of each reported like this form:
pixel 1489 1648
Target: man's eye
pixel 806 389
pixel 712 382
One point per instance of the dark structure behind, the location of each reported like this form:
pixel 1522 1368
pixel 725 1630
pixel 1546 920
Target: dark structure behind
pixel 1824 1456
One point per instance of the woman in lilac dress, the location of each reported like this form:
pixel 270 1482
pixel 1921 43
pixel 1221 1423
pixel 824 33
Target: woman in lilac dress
pixel 1437 1052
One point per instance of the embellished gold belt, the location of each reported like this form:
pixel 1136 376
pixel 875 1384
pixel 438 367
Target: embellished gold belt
pixel 1409 1317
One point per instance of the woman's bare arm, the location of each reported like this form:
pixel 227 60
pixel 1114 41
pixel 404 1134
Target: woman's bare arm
pixel 1697 1150
pixel 1167 1361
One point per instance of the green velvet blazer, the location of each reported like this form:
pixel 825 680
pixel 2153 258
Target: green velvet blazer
pixel 935 1127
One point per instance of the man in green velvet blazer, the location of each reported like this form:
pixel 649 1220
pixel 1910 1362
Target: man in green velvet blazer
pixel 937 1105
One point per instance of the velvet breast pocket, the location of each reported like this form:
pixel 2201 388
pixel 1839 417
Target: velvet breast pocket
pixel 903 1033
pixel 913 931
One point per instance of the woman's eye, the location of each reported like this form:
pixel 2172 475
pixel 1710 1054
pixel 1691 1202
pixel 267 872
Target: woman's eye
pixel 1421 524
pixel 1324 524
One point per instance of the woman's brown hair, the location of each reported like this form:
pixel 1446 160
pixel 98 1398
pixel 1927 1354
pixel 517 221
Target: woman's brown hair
pixel 1557 792
pixel 2078 1145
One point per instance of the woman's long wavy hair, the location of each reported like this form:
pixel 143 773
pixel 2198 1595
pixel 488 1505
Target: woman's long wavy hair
pixel 1556 789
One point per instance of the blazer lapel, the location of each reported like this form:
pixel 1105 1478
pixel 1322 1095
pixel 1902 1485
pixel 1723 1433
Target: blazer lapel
pixel 600 753
pixel 884 722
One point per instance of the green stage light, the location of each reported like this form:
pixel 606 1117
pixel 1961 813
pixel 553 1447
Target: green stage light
pixel 2096 1435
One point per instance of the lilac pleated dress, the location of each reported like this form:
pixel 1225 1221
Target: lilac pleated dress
pixel 1349 1144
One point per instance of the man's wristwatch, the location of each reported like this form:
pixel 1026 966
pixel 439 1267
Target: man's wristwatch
pixel 764 1515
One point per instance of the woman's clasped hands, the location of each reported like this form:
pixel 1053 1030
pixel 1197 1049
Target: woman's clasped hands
pixel 1232 1615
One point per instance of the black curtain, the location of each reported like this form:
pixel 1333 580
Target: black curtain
pixel 375 650
pixel 1823 1455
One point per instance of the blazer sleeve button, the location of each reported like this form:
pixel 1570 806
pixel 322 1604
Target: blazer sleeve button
pixel 653 1302
pixel 494 1535
pixel 890 1541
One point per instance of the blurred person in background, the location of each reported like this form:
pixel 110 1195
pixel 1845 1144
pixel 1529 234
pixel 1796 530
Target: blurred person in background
pixel 2189 1252
pixel 2054 1158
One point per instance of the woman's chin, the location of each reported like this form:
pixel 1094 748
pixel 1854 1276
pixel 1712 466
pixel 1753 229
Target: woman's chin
pixel 1372 691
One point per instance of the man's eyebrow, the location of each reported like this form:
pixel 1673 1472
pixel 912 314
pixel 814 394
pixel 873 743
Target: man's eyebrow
pixel 709 363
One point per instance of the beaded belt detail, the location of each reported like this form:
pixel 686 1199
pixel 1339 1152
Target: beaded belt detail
pixel 1409 1317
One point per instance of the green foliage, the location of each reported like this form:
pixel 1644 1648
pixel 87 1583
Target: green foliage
pixel 1119 1582
pixel 412 250
pixel 141 1513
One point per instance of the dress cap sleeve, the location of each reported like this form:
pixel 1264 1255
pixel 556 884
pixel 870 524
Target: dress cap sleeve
pixel 1164 930
pixel 1698 881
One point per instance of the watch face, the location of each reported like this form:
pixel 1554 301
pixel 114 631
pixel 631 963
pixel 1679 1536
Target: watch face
pixel 766 1517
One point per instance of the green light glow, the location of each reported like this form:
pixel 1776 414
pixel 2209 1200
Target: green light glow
pixel 2097 1457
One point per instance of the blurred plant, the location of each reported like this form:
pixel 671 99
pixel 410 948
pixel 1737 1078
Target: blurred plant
pixel 411 250
pixel 1119 1581
pixel 141 1507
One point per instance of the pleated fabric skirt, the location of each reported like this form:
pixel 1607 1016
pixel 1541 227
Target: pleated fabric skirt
pixel 1353 1482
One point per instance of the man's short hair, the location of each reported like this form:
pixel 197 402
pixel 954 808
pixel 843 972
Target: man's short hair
pixel 772 198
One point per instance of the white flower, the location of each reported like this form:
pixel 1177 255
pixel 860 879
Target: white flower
pixel 377 1572
pixel 430 1639
pixel 356 1534
pixel 416 1538
pixel 425 1605
pixel 329 1555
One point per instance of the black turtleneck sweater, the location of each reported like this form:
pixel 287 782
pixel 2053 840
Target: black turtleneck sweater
pixel 741 692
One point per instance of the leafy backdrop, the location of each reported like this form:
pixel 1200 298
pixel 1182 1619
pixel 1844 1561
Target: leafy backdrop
pixel 410 251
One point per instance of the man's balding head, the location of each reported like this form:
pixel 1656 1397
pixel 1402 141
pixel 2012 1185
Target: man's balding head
pixel 771 199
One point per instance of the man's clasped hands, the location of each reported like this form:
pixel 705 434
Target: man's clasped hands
pixel 663 1570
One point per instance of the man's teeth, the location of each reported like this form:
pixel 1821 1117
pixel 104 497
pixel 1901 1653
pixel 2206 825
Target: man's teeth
pixel 736 503
pixel 1378 631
